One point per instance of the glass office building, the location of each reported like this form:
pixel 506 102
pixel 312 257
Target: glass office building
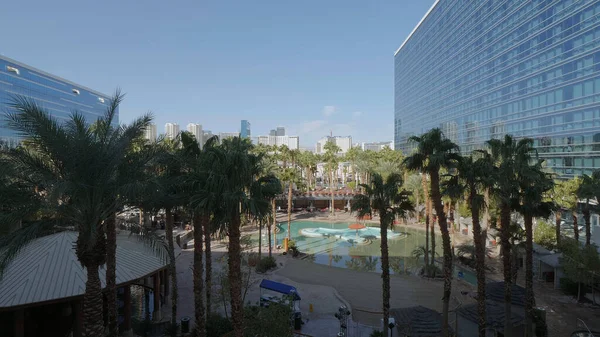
pixel 57 96
pixel 245 129
pixel 482 69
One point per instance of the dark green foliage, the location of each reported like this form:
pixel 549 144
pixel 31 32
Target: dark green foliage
pixel 376 333
pixel 570 288
pixel 266 264
pixel 293 249
pixel 272 321
pixel 217 325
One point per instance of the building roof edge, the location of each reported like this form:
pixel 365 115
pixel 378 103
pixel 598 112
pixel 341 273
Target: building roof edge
pixel 58 78
pixel 417 26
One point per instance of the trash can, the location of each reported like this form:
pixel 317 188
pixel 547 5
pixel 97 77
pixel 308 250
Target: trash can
pixel 297 318
pixel 297 322
pixel 185 324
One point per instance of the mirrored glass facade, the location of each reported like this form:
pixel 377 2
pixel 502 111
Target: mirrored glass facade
pixel 482 69
pixel 58 96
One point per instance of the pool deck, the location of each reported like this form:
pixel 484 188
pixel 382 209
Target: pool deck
pixel 325 287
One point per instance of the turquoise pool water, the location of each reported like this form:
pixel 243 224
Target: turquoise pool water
pixel 335 245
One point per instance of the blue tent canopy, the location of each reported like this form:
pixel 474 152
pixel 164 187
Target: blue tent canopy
pixel 280 288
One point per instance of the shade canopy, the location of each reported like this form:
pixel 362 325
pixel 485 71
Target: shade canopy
pixel 356 226
pixel 280 288
pixel 47 269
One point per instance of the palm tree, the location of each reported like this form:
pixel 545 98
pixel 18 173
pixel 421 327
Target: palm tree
pixel 433 153
pixel 270 168
pixel 428 217
pixel 534 185
pixel 242 191
pixel 76 167
pixel 161 191
pixel 588 189
pixel 509 157
pixel 205 201
pixel 473 176
pixel 413 184
pixel 352 156
pixel 389 200
pixel 331 151
pixel 565 196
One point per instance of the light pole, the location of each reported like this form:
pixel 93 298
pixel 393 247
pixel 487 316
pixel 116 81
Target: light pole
pixel 342 316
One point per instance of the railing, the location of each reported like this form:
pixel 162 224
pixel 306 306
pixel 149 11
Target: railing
pixel 585 326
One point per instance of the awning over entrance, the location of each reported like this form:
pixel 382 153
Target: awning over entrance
pixel 280 288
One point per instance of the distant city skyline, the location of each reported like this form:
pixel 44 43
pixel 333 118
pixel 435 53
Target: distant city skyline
pixel 202 64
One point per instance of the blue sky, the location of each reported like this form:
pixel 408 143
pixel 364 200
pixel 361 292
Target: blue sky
pixel 311 66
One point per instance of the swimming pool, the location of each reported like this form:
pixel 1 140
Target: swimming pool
pixel 335 245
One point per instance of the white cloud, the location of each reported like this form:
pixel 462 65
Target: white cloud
pixel 312 126
pixel 329 110
pixel 356 114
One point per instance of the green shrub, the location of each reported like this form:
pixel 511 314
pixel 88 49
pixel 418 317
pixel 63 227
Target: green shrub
pixel 293 248
pixel 431 271
pixel 545 235
pixel 376 333
pixel 266 264
pixel 217 325
pixel 571 288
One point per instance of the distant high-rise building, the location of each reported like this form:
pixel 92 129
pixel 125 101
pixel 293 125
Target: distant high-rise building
pixel 150 133
pixel 224 135
pixel 344 143
pixel 273 132
pixel 57 96
pixel 378 146
pixel 292 142
pixel 206 134
pixel 196 130
pixel 280 131
pixel 245 129
pixel 171 130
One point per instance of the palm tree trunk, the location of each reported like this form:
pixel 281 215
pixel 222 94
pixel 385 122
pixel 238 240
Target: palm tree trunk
pixel 274 210
pixel 235 275
pixel 557 227
pixel 479 262
pixel 506 260
pixel 199 310
pixel 575 227
pixel 417 205
pixel 432 236
pixel 93 324
pixel 259 239
pixel 427 239
pixel 208 261
pixel 586 218
pixel 427 217
pixel 529 295
pixel 436 198
pixel 385 273
pixel 289 211
pixel 486 213
pixel 269 236
pixel 172 265
pixel 331 191
pixel 111 275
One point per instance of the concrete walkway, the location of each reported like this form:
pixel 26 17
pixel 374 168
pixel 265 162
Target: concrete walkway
pixel 362 290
